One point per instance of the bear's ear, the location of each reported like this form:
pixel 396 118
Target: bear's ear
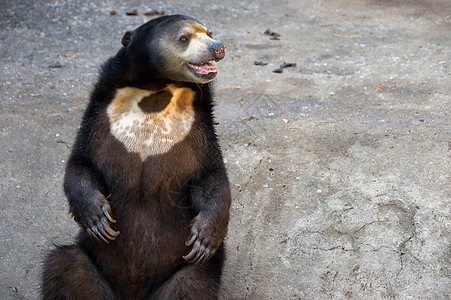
pixel 126 38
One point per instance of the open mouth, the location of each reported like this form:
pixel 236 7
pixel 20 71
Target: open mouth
pixel 205 69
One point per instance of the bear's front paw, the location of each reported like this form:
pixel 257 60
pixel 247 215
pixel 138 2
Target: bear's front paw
pixel 96 221
pixel 205 240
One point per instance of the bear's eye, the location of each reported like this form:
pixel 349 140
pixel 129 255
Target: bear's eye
pixel 184 39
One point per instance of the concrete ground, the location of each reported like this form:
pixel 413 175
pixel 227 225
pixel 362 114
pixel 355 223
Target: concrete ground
pixel 340 165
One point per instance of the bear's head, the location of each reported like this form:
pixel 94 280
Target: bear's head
pixel 173 47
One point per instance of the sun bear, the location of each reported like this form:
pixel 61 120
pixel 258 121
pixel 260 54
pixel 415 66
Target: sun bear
pixel 146 180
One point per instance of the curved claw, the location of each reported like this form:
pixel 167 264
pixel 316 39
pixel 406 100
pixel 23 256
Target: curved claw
pixel 191 241
pixel 199 258
pixel 102 229
pixel 189 257
pixel 200 253
pixel 112 235
pixel 206 256
pixel 107 214
pixel 107 231
pixel 98 234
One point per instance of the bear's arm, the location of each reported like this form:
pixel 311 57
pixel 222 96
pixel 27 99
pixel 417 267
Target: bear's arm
pixel 88 204
pixel 211 198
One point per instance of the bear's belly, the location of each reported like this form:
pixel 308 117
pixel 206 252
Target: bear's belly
pixel 150 246
pixel 151 205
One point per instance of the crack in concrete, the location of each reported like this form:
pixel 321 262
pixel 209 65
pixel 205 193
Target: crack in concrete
pixel 374 249
pixel 335 248
pixel 402 248
pixel 352 236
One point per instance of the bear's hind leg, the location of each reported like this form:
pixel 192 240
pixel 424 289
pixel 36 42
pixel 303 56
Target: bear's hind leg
pixel 193 281
pixel 69 274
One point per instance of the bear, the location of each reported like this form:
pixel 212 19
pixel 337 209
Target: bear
pixel 146 179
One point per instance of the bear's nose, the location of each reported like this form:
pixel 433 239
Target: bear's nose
pixel 218 49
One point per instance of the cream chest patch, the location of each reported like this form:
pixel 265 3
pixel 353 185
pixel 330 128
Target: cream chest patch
pixel 151 122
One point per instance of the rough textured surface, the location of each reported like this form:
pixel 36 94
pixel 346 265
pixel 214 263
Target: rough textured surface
pixel 340 166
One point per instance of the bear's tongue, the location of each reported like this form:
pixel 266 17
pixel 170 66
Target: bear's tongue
pixel 204 68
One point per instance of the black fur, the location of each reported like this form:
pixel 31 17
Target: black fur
pixel 158 204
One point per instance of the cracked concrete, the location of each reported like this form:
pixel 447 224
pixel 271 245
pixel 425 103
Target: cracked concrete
pixel 340 166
